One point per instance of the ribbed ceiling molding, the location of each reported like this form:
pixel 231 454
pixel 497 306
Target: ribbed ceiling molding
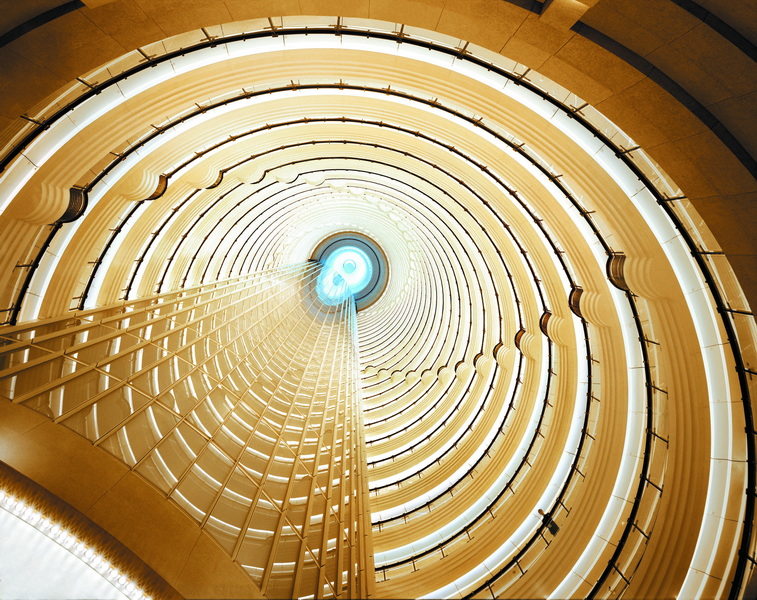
pixel 551 337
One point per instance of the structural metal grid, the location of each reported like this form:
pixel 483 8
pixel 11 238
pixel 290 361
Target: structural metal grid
pixel 549 325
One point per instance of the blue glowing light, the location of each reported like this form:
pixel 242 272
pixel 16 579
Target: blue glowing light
pixel 346 272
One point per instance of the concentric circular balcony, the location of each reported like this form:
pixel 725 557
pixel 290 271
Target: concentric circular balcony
pixel 355 308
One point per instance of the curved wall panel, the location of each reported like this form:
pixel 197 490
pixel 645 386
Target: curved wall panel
pixel 481 429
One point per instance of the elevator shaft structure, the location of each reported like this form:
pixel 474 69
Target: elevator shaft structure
pixel 239 400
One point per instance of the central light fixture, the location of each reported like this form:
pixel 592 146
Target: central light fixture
pixel 353 265
pixel 346 272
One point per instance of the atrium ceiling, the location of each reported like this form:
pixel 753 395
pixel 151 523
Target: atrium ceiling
pixel 559 202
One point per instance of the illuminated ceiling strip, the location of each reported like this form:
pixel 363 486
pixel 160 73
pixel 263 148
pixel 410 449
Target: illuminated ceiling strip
pixel 70 542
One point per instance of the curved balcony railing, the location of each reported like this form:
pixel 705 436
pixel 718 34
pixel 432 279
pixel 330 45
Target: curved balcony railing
pixel 737 318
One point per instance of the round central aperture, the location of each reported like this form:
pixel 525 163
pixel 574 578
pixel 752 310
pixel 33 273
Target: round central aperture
pixel 353 266
pixel 346 272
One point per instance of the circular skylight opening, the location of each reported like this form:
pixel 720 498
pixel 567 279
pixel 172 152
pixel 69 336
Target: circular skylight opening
pixel 346 272
pixel 353 266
